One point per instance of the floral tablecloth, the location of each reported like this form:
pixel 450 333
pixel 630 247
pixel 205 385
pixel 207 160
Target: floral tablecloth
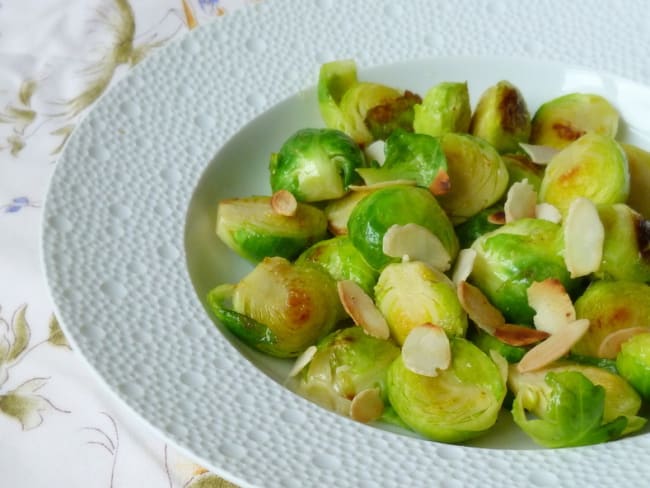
pixel 58 426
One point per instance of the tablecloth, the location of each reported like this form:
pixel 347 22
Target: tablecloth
pixel 58 426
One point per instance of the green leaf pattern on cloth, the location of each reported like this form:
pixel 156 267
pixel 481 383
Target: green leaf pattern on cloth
pixel 25 405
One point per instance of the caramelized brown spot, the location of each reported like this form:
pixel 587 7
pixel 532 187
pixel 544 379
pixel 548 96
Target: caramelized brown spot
pixel 569 177
pixel 518 335
pixel 440 184
pixel 642 228
pixel 299 306
pixel 566 132
pixel 513 110
pixel 498 218
pixel 620 315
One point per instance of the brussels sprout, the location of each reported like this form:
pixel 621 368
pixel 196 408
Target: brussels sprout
pixel 486 343
pixel 625 258
pixel 605 363
pixel 639 163
pixel 594 167
pixel 560 121
pixel 316 164
pixel 279 308
pixel 460 403
pixel 395 114
pixel 377 212
pixel 346 362
pixel 251 228
pixel 411 293
pixel 336 78
pixel 477 175
pixel 409 156
pixel 633 363
pixel 521 168
pixel 514 256
pixel 574 405
pixel 342 261
pixel 485 221
pixel 610 306
pixel 501 117
pixel 445 108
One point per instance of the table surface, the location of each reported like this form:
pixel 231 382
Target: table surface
pixel 58 426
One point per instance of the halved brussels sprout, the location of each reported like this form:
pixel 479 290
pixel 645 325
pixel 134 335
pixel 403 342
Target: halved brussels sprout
pixel 377 212
pixel 501 117
pixel 477 175
pixel 511 258
pixel 316 165
pixel 411 293
pixel 445 108
pixel 594 167
pixel 279 308
pixel 639 163
pixel 346 362
pixel 626 250
pixel 485 221
pixel 521 168
pixel 251 228
pixel 574 405
pixel 395 114
pixel 562 120
pixel 336 78
pixel 409 156
pixel 633 363
pixel 611 306
pixel 461 403
pixel 342 261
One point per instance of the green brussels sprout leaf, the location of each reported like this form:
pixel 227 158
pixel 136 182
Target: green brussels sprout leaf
pixel 445 108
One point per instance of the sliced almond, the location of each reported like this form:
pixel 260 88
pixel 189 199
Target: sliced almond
pixel 303 360
pixel 362 309
pixel 464 265
pixel 502 364
pixel 485 315
pixel 367 405
pixel 546 211
pixel 416 242
pixel 284 203
pixel 381 184
pixel 518 335
pixel 376 151
pixel 426 350
pixel 584 236
pixel 498 218
pixel 338 212
pixel 556 346
pixel 539 154
pixel 520 202
pixel 552 305
pixel 611 344
pixel 440 184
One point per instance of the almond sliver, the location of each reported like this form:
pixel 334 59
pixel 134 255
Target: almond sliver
pixel 520 202
pixel 584 236
pixel 464 265
pixel 303 360
pixel 426 350
pixel 611 344
pixel 556 346
pixel 539 154
pixel 362 309
pixel 485 315
pixel 518 335
pixel 497 218
pixel 546 211
pixel 367 405
pixel 284 203
pixel 440 184
pixel 417 243
pixel 376 151
pixel 552 305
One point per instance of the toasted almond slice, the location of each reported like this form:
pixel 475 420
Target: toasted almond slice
pixel 464 265
pixel 426 350
pixel 498 218
pixel 485 315
pixel 303 360
pixel 440 184
pixel 362 309
pixel 556 346
pixel 416 242
pixel 376 151
pixel 367 405
pixel 502 364
pixel 546 211
pixel 584 236
pixel 520 202
pixel 552 305
pixel 381 184
pixel 338 212
pixel 611 344
pixel 539 154
pixel 518 335
pixel 284 203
